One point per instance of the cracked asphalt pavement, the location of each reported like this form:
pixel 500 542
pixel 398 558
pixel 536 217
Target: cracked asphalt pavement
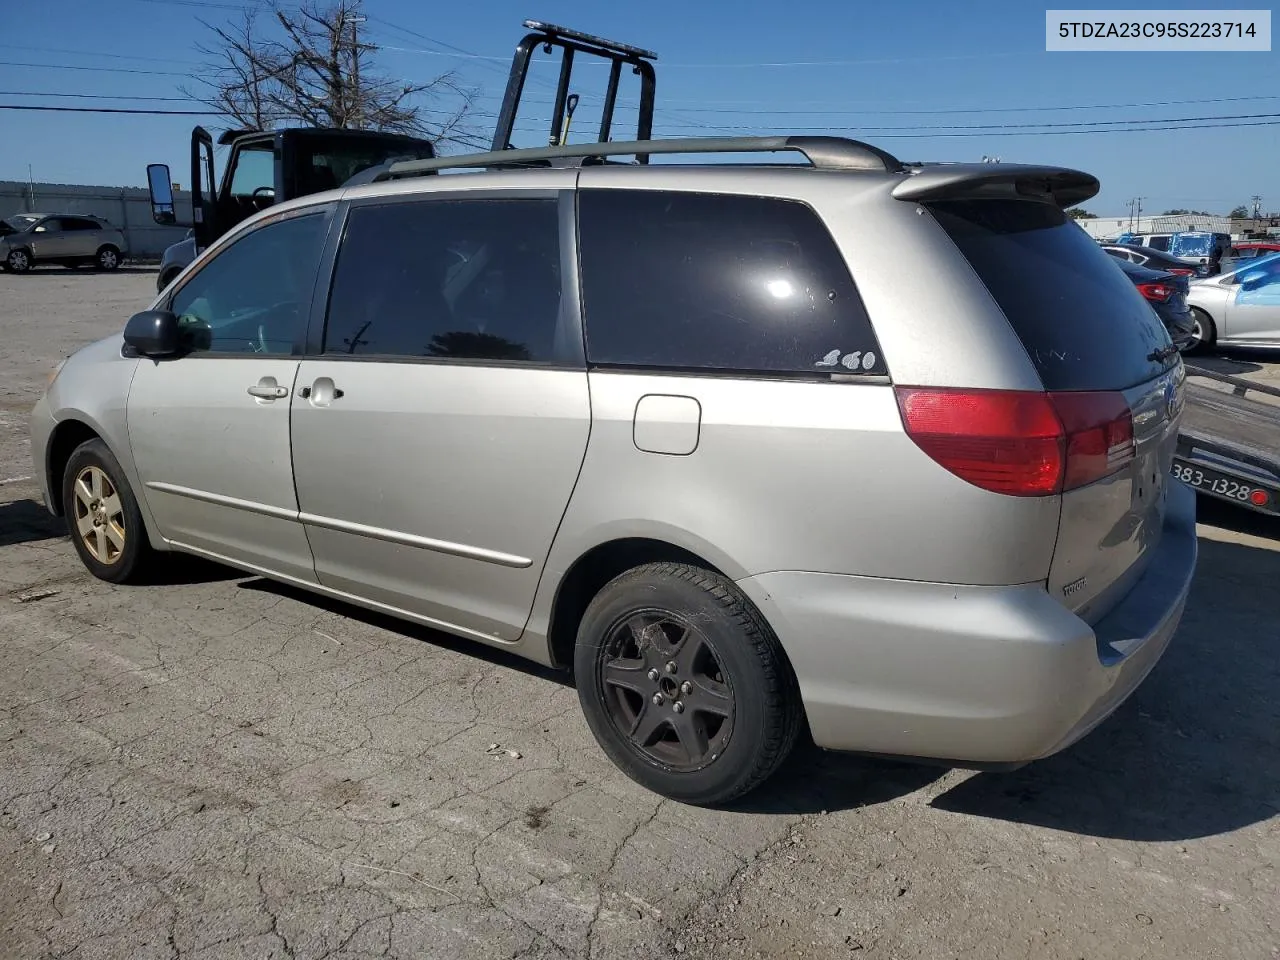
pixel 219 767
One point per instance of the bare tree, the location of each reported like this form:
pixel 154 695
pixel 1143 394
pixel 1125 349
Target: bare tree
pixel 312 67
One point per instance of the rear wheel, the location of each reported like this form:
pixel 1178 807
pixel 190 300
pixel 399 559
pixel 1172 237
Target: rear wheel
pixel 103 516
pixel 18 261
pixel 108 258
pixel 684 685
pixel 1203 332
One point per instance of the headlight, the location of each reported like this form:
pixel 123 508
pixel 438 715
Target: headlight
pixel 53 374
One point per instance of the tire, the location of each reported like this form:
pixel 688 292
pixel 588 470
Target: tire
pixel 165 279
pixel 106 504
pixel 107 258
pixel 18 261
pixel 1205 334
pixel 727 684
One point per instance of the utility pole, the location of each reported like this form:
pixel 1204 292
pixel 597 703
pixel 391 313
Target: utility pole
pixel 1135 205
pixel 355 19
pixel 31 189
pixel 1257 206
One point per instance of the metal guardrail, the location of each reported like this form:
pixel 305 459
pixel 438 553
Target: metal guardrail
pixel 1240 386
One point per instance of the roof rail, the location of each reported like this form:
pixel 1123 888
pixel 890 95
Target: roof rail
pixel 824 153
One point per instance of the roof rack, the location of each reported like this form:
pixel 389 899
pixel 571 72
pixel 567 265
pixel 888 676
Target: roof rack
pixel 548 35
pixel 824 153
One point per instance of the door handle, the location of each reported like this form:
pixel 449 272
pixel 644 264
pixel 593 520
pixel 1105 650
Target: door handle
pixel 322 392
pixel 268 389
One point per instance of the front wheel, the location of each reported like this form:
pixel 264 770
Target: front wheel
pixel 18 261
pixel 1203 332
pixel 103 516
pixel 108 258
pixel 684 685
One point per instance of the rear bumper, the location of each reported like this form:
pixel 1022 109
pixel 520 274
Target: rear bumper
pixel 971 674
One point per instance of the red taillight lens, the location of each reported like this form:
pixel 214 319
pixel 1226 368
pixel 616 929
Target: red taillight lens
pixel 1185 271
pixel 1020 443
pixel 1099 429
pixel 1155 291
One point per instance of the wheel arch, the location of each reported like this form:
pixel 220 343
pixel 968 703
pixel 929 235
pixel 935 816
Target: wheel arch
pixel 596 566
pixel 63 441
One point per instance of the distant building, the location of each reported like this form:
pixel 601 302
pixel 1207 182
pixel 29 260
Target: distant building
pixel 1104 228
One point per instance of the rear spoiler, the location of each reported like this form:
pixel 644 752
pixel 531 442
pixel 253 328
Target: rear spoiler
pixel 1064 187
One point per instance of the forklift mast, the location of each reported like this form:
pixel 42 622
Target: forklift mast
pixel 571 43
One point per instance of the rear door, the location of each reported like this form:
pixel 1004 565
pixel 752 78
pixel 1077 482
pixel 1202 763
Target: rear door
pixel 441 419
pixel 1087 330
pixel 83 236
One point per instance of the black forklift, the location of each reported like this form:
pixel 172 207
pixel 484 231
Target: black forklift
pixel 265 167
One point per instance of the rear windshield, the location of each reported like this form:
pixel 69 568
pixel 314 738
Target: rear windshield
pixel 1079 316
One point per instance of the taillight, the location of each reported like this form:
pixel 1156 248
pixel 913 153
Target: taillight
pixel 1020 443
pixel 1185 271
pixel 1156 291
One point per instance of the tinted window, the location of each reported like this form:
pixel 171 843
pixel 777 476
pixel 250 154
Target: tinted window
pixel 1159 243
pixel 69 223
pixel 718 282
pixel 254 295
pixel 1084 325
pixel 461 279
pixel 51 225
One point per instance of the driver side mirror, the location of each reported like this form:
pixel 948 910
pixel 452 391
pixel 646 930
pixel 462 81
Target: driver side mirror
pixel 160 186
pixel 152 333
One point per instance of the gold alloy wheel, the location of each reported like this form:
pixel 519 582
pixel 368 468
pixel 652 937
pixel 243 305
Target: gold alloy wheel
pixel 99 515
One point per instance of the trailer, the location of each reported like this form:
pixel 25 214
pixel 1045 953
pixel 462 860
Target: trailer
pixel 1229 444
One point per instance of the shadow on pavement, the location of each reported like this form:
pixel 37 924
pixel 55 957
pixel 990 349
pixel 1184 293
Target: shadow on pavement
pixel 1237 362
pixel 1195 751
pixel 1218 513
pixel 25 521
pixel 438 638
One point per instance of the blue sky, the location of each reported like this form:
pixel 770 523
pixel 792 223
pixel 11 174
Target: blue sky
pixel 849 68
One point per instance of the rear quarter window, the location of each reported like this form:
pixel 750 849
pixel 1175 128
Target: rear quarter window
pixel 1080 318
pixel 718 282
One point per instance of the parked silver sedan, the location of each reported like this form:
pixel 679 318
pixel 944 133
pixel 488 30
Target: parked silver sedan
pixel 1239 309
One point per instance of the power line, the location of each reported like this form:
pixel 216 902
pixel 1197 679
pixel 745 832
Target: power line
pixel 141 110
pixel 93 96
pixel 90 53
pixel 1021 126
pixel 63 66
pixel 1041 133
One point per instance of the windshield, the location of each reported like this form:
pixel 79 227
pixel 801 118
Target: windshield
pixel 1191 244
pixel 16 223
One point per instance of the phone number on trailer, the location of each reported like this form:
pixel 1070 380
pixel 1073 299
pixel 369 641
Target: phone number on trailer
pixel 1138 30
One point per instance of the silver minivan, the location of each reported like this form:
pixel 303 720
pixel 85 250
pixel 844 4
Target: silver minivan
pixel 877 451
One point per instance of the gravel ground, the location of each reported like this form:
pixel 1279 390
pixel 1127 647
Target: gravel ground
pixel 220 767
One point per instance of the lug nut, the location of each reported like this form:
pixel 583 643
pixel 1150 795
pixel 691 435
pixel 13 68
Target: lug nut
pixel 657 699
pixel 654 674
pixel 678 707
pixel 671 667
pixel 686 688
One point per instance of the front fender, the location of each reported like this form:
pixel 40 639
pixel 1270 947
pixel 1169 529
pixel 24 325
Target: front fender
pixel 92 389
